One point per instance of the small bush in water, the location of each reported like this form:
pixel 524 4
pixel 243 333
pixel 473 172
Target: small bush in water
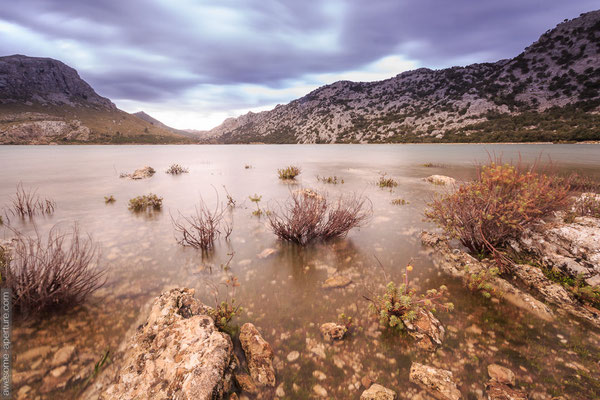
pixel 109 199
pixel 401 304
pixel 176 169
pixel 287 173
pixel 149 202
pixel 385 182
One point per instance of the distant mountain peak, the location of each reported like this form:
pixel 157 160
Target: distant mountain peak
pixel 26 79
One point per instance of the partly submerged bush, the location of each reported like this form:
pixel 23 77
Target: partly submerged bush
pixel 399 202
pixel 333 180
pixel 28 203
pixel 309 216
pixel 481 282
pixel 256 200
pixel 290 172
pixel 385 182
pixel 176 169
pixel 149 202
pixel 56 273
pixel 401 304
pixel 487 212
pixel 203 228
pixel 109 199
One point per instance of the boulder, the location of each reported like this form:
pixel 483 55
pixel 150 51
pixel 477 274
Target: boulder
pixel 337 281
pixel 141 173
pixel 259 355
pixel 333 331
pixel 438 382
pixel 378 392
pixel 177 353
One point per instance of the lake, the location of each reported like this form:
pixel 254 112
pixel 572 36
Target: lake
pixel 281 292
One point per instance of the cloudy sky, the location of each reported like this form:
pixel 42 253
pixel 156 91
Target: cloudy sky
pixel 193 63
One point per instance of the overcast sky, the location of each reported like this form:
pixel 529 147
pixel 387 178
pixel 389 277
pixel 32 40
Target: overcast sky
pixel 192 63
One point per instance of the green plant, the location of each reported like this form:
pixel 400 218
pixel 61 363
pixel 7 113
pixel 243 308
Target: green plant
pixel 225 310
pixel 230 201
pixel 399 202
pixel 100 364
pixel 150 202
pixel 487 212
pixel 109 199
pixel 346 321
pixel 401 304
pixel 288 173
pixel 480 282
pixel 385 182
pixel 330 179
pixel 256 199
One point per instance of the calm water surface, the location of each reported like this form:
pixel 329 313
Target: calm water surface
pixel 282 292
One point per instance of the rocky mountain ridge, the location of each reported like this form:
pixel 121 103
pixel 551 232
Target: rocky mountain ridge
pixel 548 92
pixel 44 101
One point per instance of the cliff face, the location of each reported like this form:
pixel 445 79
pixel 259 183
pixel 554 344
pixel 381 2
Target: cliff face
pixel 44 101
pixel 46 81
pixel 548 92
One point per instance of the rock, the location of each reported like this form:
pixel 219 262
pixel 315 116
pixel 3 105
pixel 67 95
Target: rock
pixel 56 372
pixel 293 356
pixel 337 281
pixel 280 392
pixel 333 331
pixel 427 330
pixel 246 383
pixel 441 180
pixel 501 374
pixel 26 377
pixel 320 390
pixel 319 375
pixel 366 381
pixel 63 356
pixel 34 353
pixel 142 173
pixel 438 382
pixel 259 355
pixel 23 391
pixel 177 353
pixel 378 392
pixel 499 391
pixel 266 253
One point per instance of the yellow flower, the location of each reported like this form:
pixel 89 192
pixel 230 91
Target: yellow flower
pixel 409 268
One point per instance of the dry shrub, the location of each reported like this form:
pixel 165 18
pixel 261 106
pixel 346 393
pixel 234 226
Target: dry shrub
pixel 201 229
pixel 485 213
pixel 385 182
pixel 149 202
pixel 176 169
pixel 28 203
pixel 51 274
pixel 309 216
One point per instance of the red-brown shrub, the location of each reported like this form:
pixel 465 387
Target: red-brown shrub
pixel 485 213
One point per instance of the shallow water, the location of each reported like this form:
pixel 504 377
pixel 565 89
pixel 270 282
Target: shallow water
pixel 282 293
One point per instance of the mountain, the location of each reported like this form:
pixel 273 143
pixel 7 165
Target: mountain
pixel 154 122
pixel 549 92
pixel 45 101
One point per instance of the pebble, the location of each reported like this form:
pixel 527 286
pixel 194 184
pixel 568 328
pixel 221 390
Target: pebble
pixel 319 375
pixel 293 356
pixel 320 390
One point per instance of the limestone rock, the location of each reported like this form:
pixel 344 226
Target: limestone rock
pixel 499 391
pixel 427 330
pixel 501 374
pixel 246 383
pixel 177 353
pixel 438 382
pixel 337 281
pixel 63 356
pixel 333 331
pixel 259 355
pixel 141 173
pixel 378 392
pixel 441 180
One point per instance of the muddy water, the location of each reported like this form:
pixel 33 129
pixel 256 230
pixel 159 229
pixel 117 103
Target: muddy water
pixel 282 292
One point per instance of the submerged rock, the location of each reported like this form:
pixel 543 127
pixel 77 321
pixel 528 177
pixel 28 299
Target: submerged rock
pixel 499 391
pixel 441 180
pixel 177 353
pixel 333 331
pixel 259 355
pixel 438 382
pixel 337 281
pixel 378 392
pixel 501 374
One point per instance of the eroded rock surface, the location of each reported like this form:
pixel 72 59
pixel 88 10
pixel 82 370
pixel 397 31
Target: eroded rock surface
pixel 259 355
pixel 333 331
pixel 441 180
pixel 427 330
pixel 438 382
pixel 141 173
pixel 177 354
pixel 378 392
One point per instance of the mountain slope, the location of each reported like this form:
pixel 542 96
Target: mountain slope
pixel 153 121
pixel 548 92
pixel 45 101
